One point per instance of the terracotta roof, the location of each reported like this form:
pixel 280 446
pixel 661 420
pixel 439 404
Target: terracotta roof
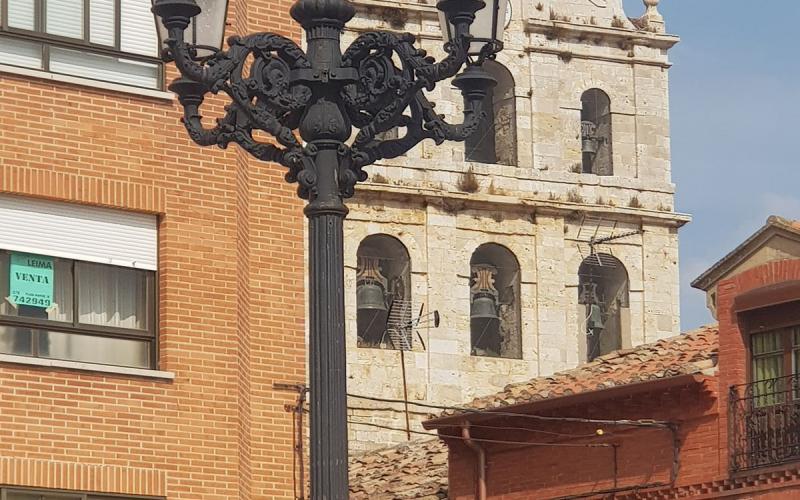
pixel 691 353
pixel 417 469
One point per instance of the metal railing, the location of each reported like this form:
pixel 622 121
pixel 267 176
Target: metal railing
pixel 764 423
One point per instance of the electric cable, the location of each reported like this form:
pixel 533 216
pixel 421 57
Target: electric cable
pixel 623 422
pixel 484 440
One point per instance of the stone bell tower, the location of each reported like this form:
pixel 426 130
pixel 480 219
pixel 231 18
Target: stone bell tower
pixel 546 240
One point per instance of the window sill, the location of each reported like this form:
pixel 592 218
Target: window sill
pixel 86 82
pixel 92 367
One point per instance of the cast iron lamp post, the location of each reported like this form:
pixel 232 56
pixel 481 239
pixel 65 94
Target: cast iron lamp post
pixel 324 94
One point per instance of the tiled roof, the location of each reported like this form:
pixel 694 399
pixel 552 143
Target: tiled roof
pixel 415 470
pixel 691 353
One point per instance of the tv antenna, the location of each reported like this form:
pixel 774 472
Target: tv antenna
pixel 596 231
pixel 401 329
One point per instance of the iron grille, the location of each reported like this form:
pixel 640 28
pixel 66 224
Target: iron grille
pixel 764 423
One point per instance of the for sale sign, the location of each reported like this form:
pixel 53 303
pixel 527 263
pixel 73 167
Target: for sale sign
pixel 31 280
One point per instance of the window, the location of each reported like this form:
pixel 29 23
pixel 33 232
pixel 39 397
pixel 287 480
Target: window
pixel 73 310
pixel 765 414
pixel 603 299
pixel 495 303
pixel 79 287
pixel 383 293
pixel 27 494
pixel 775 361
pixel 107 40
pixel 596 133
pixel 496 142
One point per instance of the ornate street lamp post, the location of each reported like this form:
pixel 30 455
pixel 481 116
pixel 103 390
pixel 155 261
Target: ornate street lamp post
pixel 323 94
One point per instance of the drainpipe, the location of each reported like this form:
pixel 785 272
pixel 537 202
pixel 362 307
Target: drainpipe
pixel 480 487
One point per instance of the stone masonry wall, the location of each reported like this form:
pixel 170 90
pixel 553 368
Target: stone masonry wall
pixel 542 208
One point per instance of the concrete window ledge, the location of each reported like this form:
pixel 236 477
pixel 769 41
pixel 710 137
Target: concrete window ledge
pixel 91 367
pixel 87 82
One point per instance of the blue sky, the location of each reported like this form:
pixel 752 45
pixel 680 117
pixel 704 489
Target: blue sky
pixel 735 109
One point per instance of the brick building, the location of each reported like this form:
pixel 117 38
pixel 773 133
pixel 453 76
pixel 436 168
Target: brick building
pixel 711 413
pixel 152 290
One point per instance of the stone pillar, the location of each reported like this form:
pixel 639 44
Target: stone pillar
pixel 653 19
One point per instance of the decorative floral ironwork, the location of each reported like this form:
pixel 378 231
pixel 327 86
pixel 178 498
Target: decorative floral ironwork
pixel 275 91
pixel 764 423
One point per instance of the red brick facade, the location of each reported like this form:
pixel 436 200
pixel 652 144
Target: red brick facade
pixel 687 458
pixel 230 288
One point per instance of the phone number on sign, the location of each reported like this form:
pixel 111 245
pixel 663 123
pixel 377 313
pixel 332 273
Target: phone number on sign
pixel 31 301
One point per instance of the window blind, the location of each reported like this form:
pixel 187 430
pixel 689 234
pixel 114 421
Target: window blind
pixel 65 18
pixel 138 31
pixel 101 22
pixel 102 67
pixel 21 14
pixel 21 53
pixel 78 232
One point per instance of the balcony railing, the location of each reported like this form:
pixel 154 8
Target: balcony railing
pixel 765 423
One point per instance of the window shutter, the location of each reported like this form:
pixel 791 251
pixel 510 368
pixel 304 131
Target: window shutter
pixel 105 68
pixel 21 53
pixel 78 232
pixel 65 18
pixel 101 22
pixel 138 31
pixel 21 14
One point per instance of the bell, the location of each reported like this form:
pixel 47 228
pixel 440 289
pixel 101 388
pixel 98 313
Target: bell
pixel 372 312
pixel 595 321
pixel 371 296
pixel 589 140
pixel 484 323
pixel 589 145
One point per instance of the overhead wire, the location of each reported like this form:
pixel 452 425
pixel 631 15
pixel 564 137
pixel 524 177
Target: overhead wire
pixel 478 426
pixel 528 429
pixel 485 440
pixel 492 412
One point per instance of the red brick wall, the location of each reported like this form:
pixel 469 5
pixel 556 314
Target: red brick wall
pixel 644 455
pixel 231 298
pixel 732 344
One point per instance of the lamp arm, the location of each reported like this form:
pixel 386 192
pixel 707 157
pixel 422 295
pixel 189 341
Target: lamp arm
pixel 264 91
pixel 211 72
pixel 193 121
pixel 229 129
pixel 474 115
pixel 424 123
pixel 379 99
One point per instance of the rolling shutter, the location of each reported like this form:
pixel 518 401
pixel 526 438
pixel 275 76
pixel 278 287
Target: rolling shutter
pixel 101 24
pixel 22 14
pixel 65 18
pixel 138 30
pixel 78 232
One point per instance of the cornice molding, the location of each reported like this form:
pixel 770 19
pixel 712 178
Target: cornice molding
pixel 512 203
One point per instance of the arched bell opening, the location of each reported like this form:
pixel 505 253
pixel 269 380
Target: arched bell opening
pixel 496 140
pixel 495 303
pixel 383 292
pixel 604 298
pixel 596 143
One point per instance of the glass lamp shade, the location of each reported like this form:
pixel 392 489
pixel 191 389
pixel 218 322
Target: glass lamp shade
pixel 206 30
pixel 487 29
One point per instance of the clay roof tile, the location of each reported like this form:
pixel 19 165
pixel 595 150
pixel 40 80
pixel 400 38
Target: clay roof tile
pixel 693 352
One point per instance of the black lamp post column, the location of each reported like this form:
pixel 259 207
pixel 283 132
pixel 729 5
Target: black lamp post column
pixel 325 126
pixel 378 83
